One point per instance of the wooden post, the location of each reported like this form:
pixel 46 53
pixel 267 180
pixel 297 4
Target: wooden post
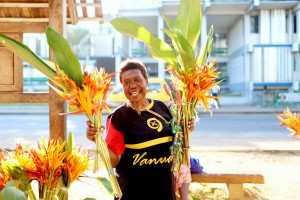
pixel 236 191
pixel 57 21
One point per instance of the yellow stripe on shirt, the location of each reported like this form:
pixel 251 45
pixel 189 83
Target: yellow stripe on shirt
pixel 149 143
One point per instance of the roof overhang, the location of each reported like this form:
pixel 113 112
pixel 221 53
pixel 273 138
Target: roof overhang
pixel 29 12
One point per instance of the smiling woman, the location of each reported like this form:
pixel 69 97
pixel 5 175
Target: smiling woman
pixel 155 90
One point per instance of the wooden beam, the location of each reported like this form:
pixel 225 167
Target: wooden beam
pixel 98 11
pixel 57 21
pixel 100 19
pixel 24 5
pixel 84 11
pixel 24 27
pixel 22 19
pixel 228 178
pixel 24 97
pixel 72 11
pixel 88 4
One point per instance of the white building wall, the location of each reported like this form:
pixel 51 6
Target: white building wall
pixel 236 71
pixel 103 45
pixel 265 22
pixel 235 66
pixel 236 37
pixel 278 26
pixel 273 63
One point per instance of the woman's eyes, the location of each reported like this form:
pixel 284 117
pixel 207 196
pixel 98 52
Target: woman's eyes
pixel 133 81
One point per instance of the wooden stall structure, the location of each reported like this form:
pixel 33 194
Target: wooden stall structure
pixel 33 16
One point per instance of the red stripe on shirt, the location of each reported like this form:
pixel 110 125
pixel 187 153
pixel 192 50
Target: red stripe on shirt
pixel 114 138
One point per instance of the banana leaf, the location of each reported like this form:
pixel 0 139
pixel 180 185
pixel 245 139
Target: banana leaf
pixel 158 48
pixel 188 20
pixel 64 56
pixel 206 48
pixel 186 53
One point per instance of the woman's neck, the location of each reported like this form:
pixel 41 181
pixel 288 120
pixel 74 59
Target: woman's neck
pixel 139 106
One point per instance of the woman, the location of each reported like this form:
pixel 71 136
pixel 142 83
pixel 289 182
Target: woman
pixel 139 138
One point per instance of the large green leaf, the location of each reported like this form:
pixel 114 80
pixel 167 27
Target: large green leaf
pixel 170 23
pixel 64 56
pixel 106 184
pixel 186 53
pixel 12 193
pixel 158 48
pixel 27 55
pixel 188 20
pixel 206 48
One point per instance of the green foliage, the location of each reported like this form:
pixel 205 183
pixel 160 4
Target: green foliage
pixel 184 33
pixel 188 20
pixel 106 184
pixel 64 56
pixel 205 49
pixel 12 193
pixel 158 48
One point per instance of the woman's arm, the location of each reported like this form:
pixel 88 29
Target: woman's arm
pixel 91 133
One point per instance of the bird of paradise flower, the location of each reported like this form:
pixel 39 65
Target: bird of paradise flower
pixel 50 163
pixel 86 91
pixel 291 121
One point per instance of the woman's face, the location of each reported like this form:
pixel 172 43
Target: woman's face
pixel 134 85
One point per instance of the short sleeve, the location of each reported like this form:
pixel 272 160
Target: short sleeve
pixel 114 138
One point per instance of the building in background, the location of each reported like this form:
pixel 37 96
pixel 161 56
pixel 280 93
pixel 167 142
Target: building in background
pixel 256 41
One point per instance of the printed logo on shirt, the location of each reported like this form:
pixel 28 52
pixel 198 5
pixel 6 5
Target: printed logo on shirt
pixel 142 160
pixel 154 124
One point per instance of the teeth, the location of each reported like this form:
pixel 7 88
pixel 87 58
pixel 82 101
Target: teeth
pixel 134 93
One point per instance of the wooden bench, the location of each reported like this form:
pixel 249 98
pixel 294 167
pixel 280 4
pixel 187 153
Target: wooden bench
pixel 234 182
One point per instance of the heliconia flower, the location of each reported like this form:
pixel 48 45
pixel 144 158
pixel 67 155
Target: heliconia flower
pixel 291 121
pixel 49 161
pixel 91 97
pixel 4 177
pixel 77 161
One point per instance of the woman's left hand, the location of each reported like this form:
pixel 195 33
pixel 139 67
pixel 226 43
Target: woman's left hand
pixel 191 125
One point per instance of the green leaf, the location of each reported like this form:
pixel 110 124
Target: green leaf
pixel 12 193
pixel 106 184
pixel 70 142
pixel 188 20
pixel 64 56
pixel 158 48
pixel 170 23
pixel 186 53
pixel 206 48
pixel 25 53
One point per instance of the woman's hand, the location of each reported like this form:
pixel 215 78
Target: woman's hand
pixel 91 131
pixel 191 125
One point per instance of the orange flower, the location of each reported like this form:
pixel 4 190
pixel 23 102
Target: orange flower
pixel 49 161
pixel 4 178
pixel 77 161
pixel 291 121
pixel 89 98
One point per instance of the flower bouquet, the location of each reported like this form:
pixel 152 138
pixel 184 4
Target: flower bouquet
pixel 192 76
pixel 87 91
pixel 55 165
pixel 291 121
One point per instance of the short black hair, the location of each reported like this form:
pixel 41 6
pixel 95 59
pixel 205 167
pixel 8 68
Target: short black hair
pixel 133 64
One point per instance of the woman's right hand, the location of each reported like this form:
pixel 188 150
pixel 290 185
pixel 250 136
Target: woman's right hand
pixel 91 131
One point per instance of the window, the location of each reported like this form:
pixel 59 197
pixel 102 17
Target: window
pixel 254 23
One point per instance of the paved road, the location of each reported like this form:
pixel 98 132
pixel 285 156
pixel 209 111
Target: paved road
pixel 219 132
